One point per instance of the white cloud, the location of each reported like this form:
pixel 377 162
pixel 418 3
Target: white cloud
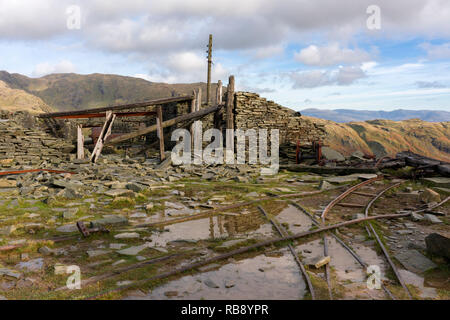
pixel 269 51
pixel 319 78
pixel 63 66
pixel 441 51
pixel 429 84
pixel 331 55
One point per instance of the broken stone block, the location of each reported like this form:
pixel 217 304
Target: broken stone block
pixel 8 230
pixel 32 265
pixel 414 261
pixel 438 245
pixel 128 235
pixel 325 185
pixel 428 196
pixel 416 217
pixel 120 193
pixel 211 284
pixel 331 154
pixel 10 273
pixel 432 218
pixel 109 220
pixel 136 187
pixel 4 183
pixel 96 253
pixel 132 251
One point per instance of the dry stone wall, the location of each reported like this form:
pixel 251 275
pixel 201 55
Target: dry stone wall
pixel 252 111
pixel 24 143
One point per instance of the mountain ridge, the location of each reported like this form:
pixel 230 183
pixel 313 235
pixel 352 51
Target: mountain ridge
pixel 349 115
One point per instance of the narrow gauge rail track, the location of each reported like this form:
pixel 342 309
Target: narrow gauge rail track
pixel 282 232
pixel 323 217
pixel 370 230
pixel 380 243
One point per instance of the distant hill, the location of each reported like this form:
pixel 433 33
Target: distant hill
pixel 386 137
pixel 71 91
pixel 347 115
pixel 19 100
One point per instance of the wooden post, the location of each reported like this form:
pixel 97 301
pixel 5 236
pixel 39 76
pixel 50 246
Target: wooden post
pixel 208 86
pixel 160 131
pixel 198 137
pixel 80 142
pixel 218 114
pixel 230 124
pixel 105 133
pixel 193 107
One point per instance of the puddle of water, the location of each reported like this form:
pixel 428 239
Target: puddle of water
pixel 297 220
pixel 280 280
pixel 195 230
pixel 212 228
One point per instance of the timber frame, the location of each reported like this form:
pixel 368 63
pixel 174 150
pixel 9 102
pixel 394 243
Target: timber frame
pixel 110 113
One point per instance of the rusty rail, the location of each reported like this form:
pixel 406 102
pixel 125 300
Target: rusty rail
pixel 341 242
pixel 282 232
pixel 6 173
pixel 380 243
pixel 345 194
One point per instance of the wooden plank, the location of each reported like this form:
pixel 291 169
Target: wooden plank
pixel 106 131
pixel 103 115
pixel 118 107
pixel 197 138
pixel 165 124
pixel 218 114
pixel 159 121
pixel 80 142
pixel 229 152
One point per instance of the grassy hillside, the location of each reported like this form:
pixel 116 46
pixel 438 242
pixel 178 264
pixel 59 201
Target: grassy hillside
pixel 16 99
pixel 386 137
pixel 73 92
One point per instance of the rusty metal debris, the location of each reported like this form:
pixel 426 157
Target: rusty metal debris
pixel 86 232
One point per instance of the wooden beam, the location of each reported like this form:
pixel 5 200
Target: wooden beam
pixel 159 121
pixel 117 107
pixel 218 114
pixel 106 131
pixel 229 152
pixel 103 115
pixel 165 124
pixel 197 137
pixel 80 142
pixel 208 83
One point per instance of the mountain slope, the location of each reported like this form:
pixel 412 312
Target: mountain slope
pixel 19 100
pixel 70 91
pixel 347 115
pixel 386 137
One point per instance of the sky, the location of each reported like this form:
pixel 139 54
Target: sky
pixel 325 54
